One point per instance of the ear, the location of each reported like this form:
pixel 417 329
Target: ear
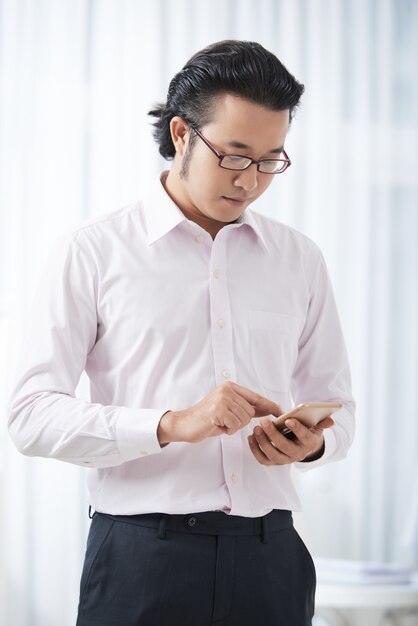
pixel 179 134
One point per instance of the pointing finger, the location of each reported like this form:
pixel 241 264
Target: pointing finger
pixel 262 405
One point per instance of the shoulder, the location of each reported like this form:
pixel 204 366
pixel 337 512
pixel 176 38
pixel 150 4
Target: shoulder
pixel 286 239
pixel 117 221
pixel 96 240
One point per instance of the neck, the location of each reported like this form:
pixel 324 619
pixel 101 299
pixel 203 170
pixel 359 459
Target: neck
pixel 172 185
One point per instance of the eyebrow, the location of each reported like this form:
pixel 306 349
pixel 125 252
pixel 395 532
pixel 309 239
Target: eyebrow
pixel 243 146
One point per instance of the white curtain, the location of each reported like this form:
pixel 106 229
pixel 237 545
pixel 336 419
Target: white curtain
pixel 77 78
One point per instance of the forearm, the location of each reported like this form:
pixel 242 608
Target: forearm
pixel 167 431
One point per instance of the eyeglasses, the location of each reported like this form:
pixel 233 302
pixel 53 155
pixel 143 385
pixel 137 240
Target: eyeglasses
pixel 236 162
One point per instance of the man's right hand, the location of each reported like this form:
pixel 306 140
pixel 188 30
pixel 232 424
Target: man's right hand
pixel 224 411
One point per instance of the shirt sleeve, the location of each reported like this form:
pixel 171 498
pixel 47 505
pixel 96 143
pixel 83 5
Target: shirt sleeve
pixel 322 371
pixel 44 416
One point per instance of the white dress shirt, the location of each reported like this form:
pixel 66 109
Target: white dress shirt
pixel 159 314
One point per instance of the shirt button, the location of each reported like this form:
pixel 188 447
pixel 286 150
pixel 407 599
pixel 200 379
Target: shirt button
pixel 217 273
pixel 143 453
pixel 200 238
pixel 221 323
pixel 192 521
pixel 226 373
pixel 234 478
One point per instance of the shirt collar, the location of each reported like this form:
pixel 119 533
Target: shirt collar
pixel 249 218
pixel 162 214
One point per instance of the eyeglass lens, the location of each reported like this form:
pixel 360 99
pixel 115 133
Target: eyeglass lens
pixel 241 163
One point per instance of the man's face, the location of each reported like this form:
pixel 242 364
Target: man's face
pixel 213 196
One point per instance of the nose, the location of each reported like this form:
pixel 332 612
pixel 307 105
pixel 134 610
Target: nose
pixel 247 179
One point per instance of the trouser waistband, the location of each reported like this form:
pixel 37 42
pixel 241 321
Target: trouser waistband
pixel 210 523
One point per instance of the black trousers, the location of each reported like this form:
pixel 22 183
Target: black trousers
pixel 196 570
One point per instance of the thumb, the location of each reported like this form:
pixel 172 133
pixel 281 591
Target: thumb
pixel 327 422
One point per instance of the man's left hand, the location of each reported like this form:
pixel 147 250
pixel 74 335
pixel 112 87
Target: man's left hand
pixel 271 447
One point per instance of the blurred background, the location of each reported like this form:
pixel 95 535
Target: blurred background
pixel 77 78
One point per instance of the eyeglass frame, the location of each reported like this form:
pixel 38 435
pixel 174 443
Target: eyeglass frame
pixel 220 156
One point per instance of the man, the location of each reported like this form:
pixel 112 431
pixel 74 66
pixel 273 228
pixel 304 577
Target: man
pixel 194 318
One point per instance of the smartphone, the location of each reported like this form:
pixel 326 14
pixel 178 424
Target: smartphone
pixel 308 413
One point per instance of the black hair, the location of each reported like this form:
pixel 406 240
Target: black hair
pixel 242 68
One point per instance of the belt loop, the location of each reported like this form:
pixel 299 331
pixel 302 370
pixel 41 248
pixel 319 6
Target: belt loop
pixel 264 529
pixel 161 527
pixel 90 510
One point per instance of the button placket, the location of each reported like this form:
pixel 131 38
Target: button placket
pixel 221 329
pixel 202 241
pixel 224 362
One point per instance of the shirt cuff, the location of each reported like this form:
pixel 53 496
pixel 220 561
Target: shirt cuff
pixel 136 432
pixel 330 446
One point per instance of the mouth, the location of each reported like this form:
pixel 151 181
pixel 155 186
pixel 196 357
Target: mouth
pixel 235 201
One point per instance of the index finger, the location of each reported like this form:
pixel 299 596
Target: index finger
pixel 263 406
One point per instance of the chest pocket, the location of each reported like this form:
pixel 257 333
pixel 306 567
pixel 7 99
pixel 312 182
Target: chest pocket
pixel 274 348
